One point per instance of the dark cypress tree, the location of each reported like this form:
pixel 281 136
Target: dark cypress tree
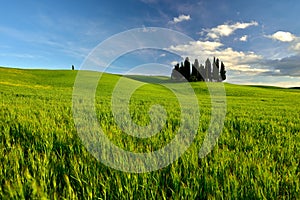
pixel 218 78
pixel 218 63
pixel 73 67
pixel 181 69
pixel 216 73
pixel 187 68
pixel 193 77
pixel 175 72
pixel 197 70
pixel 181 65
pixel 223 72
pixel 202 73
pixel 177 67
pixel 207 70
pixel 194 69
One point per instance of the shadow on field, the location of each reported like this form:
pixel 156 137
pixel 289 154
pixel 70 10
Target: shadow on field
pixel 295 88
pixel 150 79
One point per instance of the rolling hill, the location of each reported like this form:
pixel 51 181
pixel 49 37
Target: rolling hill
pixel 256 156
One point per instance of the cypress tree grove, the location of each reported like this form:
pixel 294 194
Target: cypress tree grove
pixel 214 71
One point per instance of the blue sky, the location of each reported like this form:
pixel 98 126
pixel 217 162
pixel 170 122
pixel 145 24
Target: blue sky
pixel 259 41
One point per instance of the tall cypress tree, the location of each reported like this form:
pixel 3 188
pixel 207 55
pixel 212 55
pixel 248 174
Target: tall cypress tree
pixel 218 63
pixel 181 69
pixel 223 72
pixel 195 68
pixel 175 72
pixel 197 72
pixel 202 73
pixel 177 67
pixel 207 70
pixel 215 73
pixel 218 66
pixel 187 68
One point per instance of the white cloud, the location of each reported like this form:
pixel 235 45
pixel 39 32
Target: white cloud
pixel 233 60
pixel 287 37
pixel 244 38
pixel 173 63
pixel 227 29
pixel 181 18
pixel 245 66
pixel 282 36
pixel 197 46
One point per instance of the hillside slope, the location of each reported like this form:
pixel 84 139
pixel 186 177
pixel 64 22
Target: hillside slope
pixel 42 156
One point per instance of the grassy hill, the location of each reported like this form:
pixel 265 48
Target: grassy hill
pixel 41 155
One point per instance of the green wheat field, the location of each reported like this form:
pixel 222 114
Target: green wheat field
pixel 257 155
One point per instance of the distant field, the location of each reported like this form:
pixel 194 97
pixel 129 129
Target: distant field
pixel 41 156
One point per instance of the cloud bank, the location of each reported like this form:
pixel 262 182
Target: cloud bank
pixel 244 63
pixel 226 29
pixel 238 61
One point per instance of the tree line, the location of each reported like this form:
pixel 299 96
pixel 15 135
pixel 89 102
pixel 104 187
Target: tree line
pixel 214 72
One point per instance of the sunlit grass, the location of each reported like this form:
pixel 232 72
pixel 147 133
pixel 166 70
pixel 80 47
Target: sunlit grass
pixel 41 156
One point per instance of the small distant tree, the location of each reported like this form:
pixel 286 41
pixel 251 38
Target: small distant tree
pixel 223 72
pixel 73 67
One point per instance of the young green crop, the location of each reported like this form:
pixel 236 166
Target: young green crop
pixel 41 156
